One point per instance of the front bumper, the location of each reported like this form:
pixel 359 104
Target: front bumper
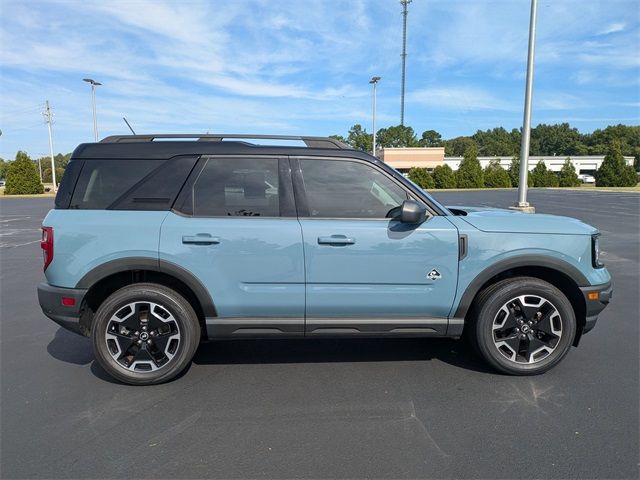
pixel 67 316
pixel 596 298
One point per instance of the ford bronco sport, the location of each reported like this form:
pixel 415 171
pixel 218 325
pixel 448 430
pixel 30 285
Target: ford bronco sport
pixel 157 243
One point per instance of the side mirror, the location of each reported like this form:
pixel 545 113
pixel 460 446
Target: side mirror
pixel 412 212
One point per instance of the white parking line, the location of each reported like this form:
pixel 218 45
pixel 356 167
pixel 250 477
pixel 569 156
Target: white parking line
pixel 17 245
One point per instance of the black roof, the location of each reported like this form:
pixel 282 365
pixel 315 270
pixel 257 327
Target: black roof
pixel 148 147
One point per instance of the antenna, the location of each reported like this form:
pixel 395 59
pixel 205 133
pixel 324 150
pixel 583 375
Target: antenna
pixel 125 121
pixel 404 4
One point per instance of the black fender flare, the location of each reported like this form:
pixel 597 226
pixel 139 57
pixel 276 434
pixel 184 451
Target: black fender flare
pixel 152 264
pixel 519 261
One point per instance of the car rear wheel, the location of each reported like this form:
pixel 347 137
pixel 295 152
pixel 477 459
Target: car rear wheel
pixel 145 334
pixel 523 325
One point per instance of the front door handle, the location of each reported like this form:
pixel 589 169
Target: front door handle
pixel 336 240
pixel 200 239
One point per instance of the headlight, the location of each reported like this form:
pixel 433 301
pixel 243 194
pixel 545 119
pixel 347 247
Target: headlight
pixel 595 252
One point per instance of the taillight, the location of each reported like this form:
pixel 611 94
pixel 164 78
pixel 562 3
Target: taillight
pixel 47 245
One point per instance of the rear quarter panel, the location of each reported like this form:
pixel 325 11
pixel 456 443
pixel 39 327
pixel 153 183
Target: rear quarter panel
pixel 85 239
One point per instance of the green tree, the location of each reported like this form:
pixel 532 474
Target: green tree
pixel 359 139
pixel 469 174
pixel 443 177
pixel 23 177
pixel 496 142
pixel 430 138
pixel 495 176
pixel 422 178
pixel 457 146
pixel 4 166
pixel 46 174
pixel 568 175
pixel 614 172
pixel 629 137
pixel 558 139
pixel 397 136
pixel 514 173
pixel 543 177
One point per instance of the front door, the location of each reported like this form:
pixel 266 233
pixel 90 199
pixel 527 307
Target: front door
pixel 366 272
pixel 235 230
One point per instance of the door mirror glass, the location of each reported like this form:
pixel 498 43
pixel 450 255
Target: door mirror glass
pixel 412 212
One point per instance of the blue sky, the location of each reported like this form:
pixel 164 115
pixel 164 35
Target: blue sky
pixel 302 67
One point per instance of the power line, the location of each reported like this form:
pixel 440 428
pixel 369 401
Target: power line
pixel 404 4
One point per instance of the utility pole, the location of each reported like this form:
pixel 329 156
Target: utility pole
pixel 48 118
pixel 522 204
pixel 404 4
pixel 374 81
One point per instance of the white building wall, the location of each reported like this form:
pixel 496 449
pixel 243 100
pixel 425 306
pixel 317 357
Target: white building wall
pixel 583 164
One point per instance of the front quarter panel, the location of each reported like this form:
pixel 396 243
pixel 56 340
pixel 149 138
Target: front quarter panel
pixel 486 251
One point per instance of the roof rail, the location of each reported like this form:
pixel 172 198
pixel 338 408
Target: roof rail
pixel 311 142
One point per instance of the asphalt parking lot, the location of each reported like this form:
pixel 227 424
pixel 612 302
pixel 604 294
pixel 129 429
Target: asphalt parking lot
pixel 324 408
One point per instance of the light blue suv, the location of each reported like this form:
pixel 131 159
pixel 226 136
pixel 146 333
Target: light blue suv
pixel 157 242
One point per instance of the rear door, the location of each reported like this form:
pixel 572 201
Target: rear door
pixel 366 272
pixel 234 228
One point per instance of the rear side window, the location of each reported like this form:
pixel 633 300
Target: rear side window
pixel 102 182
pixel 158 190
pixel 68 182
pixel 232 187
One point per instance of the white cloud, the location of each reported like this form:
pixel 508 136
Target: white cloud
pixel 460 98
pixel 303 66
pixel 614 27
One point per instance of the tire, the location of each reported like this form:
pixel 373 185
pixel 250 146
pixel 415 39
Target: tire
pixel 522 325
pixel 145 334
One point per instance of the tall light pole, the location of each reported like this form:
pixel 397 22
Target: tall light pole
pixel 93 84
pixel 404 4
pixel 374 81
pixel 49 119
pixel 526 123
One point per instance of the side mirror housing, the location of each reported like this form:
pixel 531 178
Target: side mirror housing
pixel 412 212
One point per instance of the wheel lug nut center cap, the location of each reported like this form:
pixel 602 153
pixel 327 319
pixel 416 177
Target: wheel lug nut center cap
pixel 525 328
pixel 144 336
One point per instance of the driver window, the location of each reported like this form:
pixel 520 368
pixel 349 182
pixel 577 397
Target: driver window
pixel 345 189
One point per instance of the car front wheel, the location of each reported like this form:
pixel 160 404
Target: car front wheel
pixel 145 334
pixel 523 325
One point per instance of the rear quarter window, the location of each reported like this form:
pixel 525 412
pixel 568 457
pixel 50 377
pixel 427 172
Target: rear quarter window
pixel 102 182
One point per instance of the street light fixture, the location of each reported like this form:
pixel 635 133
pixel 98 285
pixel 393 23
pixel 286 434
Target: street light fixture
pixel 374 81
pixel 93 84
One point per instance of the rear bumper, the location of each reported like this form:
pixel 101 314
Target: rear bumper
pixel 67 316
pixel 597 304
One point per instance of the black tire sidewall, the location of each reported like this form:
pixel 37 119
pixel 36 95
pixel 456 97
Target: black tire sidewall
pixel 500 295
pixel 182 312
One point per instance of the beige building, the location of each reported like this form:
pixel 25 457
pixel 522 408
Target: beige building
pixel 403 159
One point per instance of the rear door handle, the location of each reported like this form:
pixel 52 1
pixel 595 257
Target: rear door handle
pixel 200 239
pixel 336 240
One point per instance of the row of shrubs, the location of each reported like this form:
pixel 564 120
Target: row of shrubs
pixel 612 173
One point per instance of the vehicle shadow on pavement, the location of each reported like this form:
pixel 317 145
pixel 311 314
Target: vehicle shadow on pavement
pixel 70 347
pixel 75 349
pixel 454 352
